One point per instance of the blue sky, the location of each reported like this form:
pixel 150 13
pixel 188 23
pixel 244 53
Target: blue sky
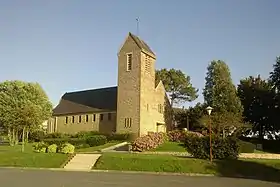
pixel 68 45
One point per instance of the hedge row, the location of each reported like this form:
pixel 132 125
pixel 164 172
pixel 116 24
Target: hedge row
pixel 150 141
pixel 39 136
pixel 91 141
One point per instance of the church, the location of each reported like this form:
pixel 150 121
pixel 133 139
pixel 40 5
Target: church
pixel 136 105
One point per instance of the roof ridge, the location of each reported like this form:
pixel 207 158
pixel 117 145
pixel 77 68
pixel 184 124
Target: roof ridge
pixel 91 89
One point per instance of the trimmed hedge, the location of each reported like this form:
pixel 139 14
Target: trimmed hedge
pixel 78 142
pixel 247 147
pixel 150 141
pixel 222 148
pixel 60 141
pixel 96 140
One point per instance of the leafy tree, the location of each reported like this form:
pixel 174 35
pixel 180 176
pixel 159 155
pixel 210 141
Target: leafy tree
pixel 190 118
pixel 177 85
pixel 24 107
pixel 258 99
pixel 275 74
pixel 220 93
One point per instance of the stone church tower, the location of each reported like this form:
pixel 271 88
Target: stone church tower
pixel 136 86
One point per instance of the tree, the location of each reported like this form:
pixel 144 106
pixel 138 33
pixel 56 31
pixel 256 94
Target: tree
pixel 190 118
pixel 221 94
pixel 258 99
pixel 177 85
pixel 24 107
pixel 275 74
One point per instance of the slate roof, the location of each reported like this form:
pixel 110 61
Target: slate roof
pixel 141 44
pixel 96 100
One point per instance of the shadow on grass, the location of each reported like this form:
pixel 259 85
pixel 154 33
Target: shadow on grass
pixel 265 170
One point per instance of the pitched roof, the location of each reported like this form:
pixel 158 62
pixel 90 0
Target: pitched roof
pixel 97 100
pixel 141 44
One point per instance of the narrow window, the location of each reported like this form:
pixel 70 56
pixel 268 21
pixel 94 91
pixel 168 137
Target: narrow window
pixel 129 62
pixel 129 122
pixel 93 117
pixel 109 116
pixel 86 118
pixel 80 119
pixel 66 119
pixel 160 108
pixel 126 122
pixel 73 119
pixel 147 63
pixel 101 117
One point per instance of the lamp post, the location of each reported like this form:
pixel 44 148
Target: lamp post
pixel 209 110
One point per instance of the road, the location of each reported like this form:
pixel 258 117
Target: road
pixel 47 178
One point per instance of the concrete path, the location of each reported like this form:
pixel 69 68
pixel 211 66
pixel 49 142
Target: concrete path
pixel 82 162
pixel 45 178
pixel 242 155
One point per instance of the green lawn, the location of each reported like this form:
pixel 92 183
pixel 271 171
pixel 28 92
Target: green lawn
pixel 13 157
pixel 97 148
pixel 170 147
pixel 250 168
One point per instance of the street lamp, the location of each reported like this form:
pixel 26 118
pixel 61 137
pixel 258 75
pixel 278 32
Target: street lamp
pixel 209 110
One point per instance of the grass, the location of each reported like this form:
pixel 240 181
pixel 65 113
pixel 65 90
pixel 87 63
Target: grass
pixel 170 147
pixel 246 168
pixel 97 148
pixel 13 157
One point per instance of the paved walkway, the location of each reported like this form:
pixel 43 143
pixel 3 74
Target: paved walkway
pixel 242 155
pixel 82 162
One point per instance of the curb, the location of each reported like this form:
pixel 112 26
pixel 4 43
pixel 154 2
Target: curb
pixel 154 173
pixel 114 171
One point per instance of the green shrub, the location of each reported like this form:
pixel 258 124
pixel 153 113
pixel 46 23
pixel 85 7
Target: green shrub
pixel 246 147
pixel 67 148
pixel 60 141
pixel 85 134
pixel 82 146
pixel 147 142
pixel 96 140
pixel 120 136
pixel 222 148
pixel 40 147
pixel 36 136
pixel 52 148
pixel 56 135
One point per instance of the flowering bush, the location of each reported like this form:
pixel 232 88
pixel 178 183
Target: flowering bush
pixel 52 148
pixel 67 148
pixel 147 142
pixel 176 136
pixel 180 136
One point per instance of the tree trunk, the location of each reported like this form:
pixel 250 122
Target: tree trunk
pixel 16 137
pixel 224 134
pixel 27 135
pixel 22 139
pixel 10 136
pixel 13 136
